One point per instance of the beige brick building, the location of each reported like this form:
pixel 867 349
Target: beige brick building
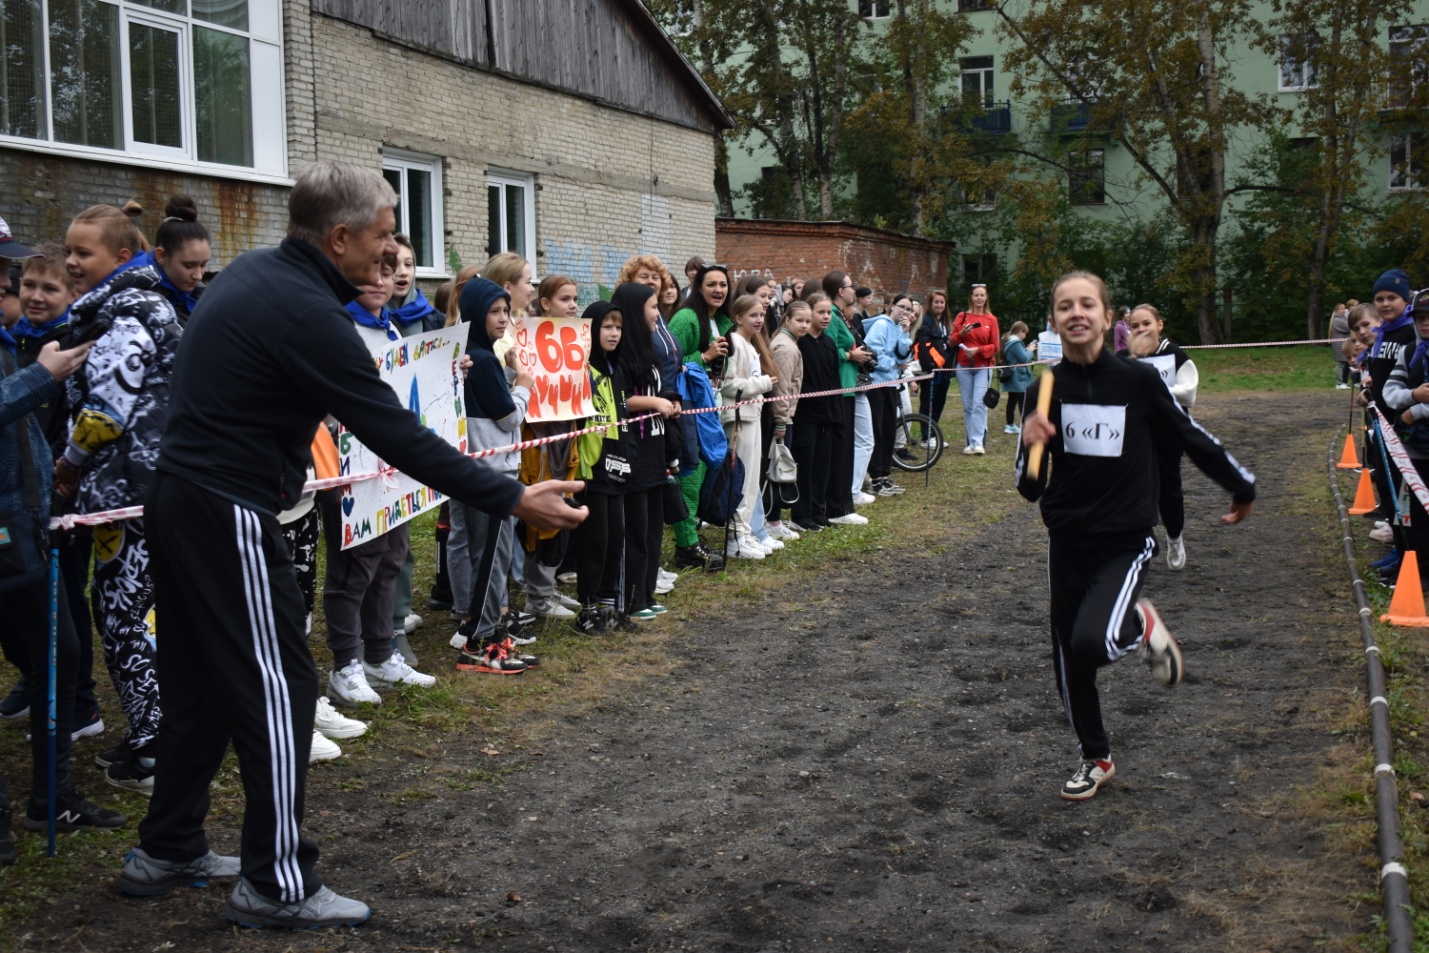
pixel 503 124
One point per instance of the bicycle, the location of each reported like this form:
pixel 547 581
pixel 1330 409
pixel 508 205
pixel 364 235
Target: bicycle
pixel 922 441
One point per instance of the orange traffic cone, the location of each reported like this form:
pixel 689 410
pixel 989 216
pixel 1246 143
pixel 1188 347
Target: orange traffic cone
pixel 1349 459
pixel 1407 605
pixel 1364 496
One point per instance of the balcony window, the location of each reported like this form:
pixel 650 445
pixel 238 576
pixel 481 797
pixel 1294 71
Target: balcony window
pixel 1406 162
pixel 1086 177
pixel 1297 62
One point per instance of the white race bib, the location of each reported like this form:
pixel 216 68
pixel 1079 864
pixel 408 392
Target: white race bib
pixel 1165 365
pixel 1093 430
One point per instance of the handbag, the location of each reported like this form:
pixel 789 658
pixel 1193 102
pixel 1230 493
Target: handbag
pixel 22 538
pixel 990 397
pixel 782 466
pixel 676 509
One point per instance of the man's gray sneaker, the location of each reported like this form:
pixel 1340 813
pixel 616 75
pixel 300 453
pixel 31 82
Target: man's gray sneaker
pixel 247 907
pixel 145 876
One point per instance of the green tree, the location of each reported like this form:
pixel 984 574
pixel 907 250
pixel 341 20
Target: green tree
pixel 1152 73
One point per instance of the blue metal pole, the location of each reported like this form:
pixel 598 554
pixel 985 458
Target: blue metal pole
pixel 50 691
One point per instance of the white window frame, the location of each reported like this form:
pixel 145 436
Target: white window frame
pixel 1305 75
pixel 1077 164
pixel 503 178
pixel 987 79
pixel 873 6
pixel 1408 143
pixel 402 161
pixel 266 87
pixel 1407 43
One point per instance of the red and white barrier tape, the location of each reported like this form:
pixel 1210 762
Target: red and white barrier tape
pixel 71 520
pixel 1401 459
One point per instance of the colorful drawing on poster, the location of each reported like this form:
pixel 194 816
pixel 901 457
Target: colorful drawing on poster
pixel 554 352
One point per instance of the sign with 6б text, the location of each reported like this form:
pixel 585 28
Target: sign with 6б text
pixel 554 352
pixel 424 371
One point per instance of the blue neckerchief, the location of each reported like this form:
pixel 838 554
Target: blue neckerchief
pixel 382 322
pixel 171 290
pixel 1379 332
pixel 413 311
pixel 23 328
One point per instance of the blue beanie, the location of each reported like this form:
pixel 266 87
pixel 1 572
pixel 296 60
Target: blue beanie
pixel 1395 281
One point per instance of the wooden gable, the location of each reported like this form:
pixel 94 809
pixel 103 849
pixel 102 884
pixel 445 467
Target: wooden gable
pixel 611 51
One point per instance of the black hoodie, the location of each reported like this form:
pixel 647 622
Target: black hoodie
pixel 269 353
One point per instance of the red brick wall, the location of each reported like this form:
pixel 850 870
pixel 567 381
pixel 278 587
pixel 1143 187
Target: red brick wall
pixel 882 260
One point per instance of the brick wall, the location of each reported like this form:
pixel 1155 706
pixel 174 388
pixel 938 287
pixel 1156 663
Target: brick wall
pixel 882 260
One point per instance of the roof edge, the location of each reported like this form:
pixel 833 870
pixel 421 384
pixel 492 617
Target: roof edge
pixel 714 103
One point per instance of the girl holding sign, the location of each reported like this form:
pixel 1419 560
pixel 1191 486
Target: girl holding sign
pixel 1098 499
pixel 1179 372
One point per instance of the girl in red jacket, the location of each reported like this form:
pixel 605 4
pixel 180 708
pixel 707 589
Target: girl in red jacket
pixel 975 339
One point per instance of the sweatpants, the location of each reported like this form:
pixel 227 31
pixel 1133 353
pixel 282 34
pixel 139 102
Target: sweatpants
pixel 599 543
pixel 235 664
pixel 1094 622
pixel 883 409
pixel 1016 409
pixel 864 440
pixel 687 530
pixel 744 437
pixel 26 634
pixel 358 591
pixel 537 579
pixel 644 529
pixel 490 543
pixel 840 489
pixel 459 558
pixel 122 594
pixel 1171 499
pixel 813 446
pixel 302 536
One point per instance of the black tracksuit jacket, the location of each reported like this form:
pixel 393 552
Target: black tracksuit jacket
pixel 269 353
pixel 1098 483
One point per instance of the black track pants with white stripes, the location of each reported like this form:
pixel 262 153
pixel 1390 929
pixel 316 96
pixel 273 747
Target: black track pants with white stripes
pixel 1094 622
pixel 234 665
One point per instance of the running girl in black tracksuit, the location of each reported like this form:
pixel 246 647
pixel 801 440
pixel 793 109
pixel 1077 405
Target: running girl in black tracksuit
pixel 1098 492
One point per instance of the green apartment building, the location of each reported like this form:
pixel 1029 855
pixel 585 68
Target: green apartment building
pixel 1101 180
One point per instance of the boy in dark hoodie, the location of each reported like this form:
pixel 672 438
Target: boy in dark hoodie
pixel 497 395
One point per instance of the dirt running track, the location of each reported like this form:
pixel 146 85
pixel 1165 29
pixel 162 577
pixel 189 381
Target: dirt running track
pixel 872 763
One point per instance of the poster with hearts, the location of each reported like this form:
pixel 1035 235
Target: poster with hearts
pixel 425 372
pixel 554 352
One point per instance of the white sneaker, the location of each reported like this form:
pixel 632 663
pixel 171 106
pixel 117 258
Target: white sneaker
pixel 863 499
pixel 411 623
pixel 1385 535
pixel 569 578
pixel 308 625
pixel 457 640
pixel 771 545
pixel 663 587
pixel 663 573
pixel 977 449
pixel 395 671
pixel 930 444
pixel 549 608
pixel 331 723
pixel 1176 554
pixel 349 684
pixel 780 531
pixel 322 749
pixel 849 519
pixel 969 450
pixel 567 601
pixel 745 547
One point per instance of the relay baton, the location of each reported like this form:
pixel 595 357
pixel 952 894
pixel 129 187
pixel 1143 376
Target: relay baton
pixel 1044 407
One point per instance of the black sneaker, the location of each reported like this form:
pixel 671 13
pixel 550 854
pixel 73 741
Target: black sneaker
pixel 809 527
pixel 114 755
pixel 17 703
pixel 131 774
pixel 592 620
pixel 8 854
pixel 623 623
pixel 490 659
pixel 1090 776
pixel 73 813
pixel 906 455
pixel 516 630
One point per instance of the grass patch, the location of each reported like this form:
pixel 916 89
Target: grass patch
pixel 1302 367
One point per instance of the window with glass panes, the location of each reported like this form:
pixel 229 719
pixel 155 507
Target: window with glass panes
pixel 417 180
pixel 511 215
pixel 193 81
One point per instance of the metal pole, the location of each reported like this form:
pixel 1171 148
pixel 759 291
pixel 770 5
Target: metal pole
pixel 50 674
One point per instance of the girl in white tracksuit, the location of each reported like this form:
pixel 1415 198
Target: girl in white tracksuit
pixel 744 378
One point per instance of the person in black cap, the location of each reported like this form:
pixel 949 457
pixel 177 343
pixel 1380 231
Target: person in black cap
pixel 1394 336
pixel 1406 399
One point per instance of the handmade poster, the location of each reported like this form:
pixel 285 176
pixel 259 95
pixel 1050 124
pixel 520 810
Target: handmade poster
pixel 554 352
pixel 424 371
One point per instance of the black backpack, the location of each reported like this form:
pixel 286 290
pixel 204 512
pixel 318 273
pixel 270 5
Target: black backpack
pixel 723 490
